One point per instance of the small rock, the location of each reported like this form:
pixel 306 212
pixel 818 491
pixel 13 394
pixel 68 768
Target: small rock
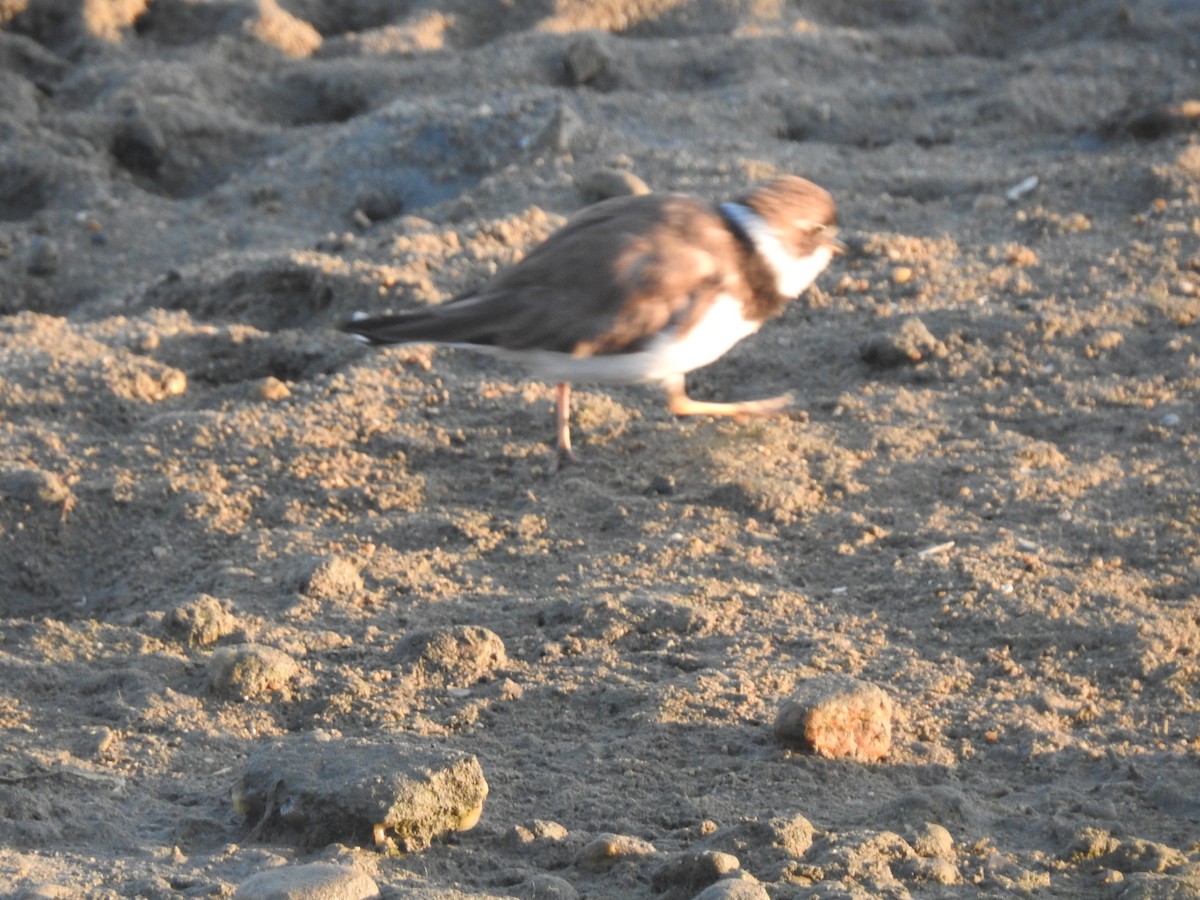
pixel 933 871
pixel 334 579
pixel 1091 843
pixel 271 388
pixel 546 887
pixel 691 872
pixel 538 830
pixel 742 888
pixel 459 656
pixel 153 387
pixel 794 836
pixel 1105 342
pixel 101 743
pixel 933 841
pixel 315 881
pixel 543 845
pixel 284 31
pixel 603 184
pixel 173 383
pixel 910 343
pixel 204 620
pixel 560 131
pixel 609 849
pixel 248 670
pixel 43 257
pixel 839 717
pixel 319 790
pixel 588 60
pixel 138 144
pixel 662 485
pixel 378 205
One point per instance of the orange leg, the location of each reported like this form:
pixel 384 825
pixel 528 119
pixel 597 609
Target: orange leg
pixel 679 403
pixel 562 417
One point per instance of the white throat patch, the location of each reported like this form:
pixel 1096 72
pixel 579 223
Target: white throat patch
pixel 792 275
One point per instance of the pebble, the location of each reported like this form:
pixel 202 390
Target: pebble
pixel 378 205
pixel 603 184
pixel 173 383
pixel 455 657
pixel 318 789
pixel 909 343
pixel 204 620
pixel 693 871
pixel 271 388
pixel 839 717
pixel 138 144
pixel 546 887
pixel 43 257
pixel 794 836
pixel 562 129
pixel 291 35
pixel 334 579
pixel 743 888
pixel 934 871
pixel 101 743
pixel 1106 342
pixel 154 387
pixel 315 881
pixel 588 60
pixel 538 830
pixel 662 485
pixel 933 841
pixel 609 849
pixel 243 671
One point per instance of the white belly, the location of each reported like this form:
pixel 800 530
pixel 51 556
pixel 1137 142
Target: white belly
pixel 664 356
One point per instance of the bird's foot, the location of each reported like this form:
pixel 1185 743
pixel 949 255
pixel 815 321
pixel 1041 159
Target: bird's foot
pixel 681 404
pixel 566 457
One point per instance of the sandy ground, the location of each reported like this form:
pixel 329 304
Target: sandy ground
pixel 989 505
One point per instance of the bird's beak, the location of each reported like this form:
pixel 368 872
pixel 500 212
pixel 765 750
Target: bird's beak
pixel 834 243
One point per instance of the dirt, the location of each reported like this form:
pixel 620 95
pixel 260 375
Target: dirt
pixel 988 502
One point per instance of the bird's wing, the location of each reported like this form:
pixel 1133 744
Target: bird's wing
pixel 609 280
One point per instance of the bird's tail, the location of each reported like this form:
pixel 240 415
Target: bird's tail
pixel 417 327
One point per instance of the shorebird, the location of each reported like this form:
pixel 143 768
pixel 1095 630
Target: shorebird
pixel 639 289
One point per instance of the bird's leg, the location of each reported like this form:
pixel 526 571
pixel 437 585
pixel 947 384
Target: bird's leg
pixel 562 417
pixel 679 403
